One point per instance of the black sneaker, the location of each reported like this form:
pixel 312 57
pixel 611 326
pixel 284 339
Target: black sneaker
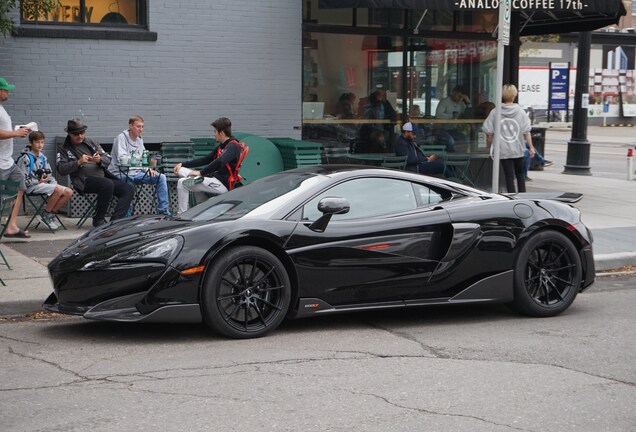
pixel 547 163
pixel 528 179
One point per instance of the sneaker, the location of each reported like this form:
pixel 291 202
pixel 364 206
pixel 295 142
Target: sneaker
pixel 51 220
pixel 164 212
pixel 547 163
pixel 191 181
pixel 42 219
pixel 528 179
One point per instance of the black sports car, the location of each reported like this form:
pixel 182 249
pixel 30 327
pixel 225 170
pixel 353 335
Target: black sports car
pixel 327 239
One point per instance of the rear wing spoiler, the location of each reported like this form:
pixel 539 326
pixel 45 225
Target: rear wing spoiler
pixel 566 197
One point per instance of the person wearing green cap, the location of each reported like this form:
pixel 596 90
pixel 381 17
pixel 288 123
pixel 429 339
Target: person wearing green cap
pixel 8 169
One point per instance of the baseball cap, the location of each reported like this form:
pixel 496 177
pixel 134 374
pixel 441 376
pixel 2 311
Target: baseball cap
pixel 409 127
pixel 4 85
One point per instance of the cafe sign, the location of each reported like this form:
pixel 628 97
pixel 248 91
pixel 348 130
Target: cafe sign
pixel 474 5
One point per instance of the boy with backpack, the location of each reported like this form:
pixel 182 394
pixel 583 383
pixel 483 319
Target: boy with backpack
pixel 221 166
pixel 38 179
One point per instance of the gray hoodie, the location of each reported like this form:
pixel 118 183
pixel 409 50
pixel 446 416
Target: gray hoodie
pixel 123 145
pixel 30 163
pixel 514 125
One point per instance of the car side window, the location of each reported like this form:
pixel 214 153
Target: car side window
pixel 426 195
pixel 368 197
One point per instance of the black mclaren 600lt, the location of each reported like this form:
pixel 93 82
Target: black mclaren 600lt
pixel 328 239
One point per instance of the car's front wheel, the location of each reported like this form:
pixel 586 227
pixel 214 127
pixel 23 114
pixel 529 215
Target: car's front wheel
pixel 547 275
pixel 246 293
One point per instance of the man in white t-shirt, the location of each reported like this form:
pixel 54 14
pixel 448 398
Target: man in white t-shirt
pixel 8 169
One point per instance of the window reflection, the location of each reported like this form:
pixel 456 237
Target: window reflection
pixel 363 196
pixel 357 90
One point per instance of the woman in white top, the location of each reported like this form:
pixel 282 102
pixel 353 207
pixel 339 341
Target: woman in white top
pixel 514 129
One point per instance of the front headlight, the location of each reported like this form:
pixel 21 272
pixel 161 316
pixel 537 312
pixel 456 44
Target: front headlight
pixel 164 250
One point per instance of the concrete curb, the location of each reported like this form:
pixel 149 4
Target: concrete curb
pixel 614 260
pixel 14 309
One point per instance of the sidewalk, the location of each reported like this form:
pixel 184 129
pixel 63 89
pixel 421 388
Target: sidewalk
pixel 608 207
pixel 28 282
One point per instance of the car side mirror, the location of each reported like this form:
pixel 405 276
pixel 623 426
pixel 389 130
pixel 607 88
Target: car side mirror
pixel 329 206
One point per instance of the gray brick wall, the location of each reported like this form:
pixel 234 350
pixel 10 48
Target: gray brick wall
pixel 234 58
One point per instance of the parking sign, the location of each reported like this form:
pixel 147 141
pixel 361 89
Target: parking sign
pixel 559 86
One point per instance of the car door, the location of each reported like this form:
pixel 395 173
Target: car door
pixel 384 249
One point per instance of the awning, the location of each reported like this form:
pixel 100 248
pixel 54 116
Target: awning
pixel 537 16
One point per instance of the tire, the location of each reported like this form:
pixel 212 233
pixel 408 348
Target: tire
pixel 246 293
pixel 547 275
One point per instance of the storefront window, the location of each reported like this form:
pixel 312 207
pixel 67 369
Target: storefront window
pixel 90 12
pixel 357 89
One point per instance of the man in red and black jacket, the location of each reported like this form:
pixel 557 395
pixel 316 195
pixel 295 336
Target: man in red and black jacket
pixel 213 177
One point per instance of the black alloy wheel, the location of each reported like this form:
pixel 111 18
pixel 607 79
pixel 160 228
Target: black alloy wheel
pixel 547 275
pixel 246 294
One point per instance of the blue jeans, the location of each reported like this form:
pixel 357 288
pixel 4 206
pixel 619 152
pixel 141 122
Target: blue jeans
pixel 158 181
pixel 527 161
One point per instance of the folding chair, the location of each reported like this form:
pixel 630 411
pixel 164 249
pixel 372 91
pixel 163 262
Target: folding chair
pixel 173 153
pixel 395 162
pixel 8 197
pixel 459 165
pixel 91 205
pixel 38 202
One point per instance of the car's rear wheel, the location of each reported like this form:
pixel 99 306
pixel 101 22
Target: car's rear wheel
pixel 547 275
pixel 246 293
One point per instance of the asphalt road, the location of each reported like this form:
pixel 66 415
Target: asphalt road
pixel 425 369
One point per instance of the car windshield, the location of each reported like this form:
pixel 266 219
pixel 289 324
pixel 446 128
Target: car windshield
pixel 243 200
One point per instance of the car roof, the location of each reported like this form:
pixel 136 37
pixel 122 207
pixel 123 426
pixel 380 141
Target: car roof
pixel 336 171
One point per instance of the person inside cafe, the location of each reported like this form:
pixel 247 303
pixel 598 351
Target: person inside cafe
pixel 483 109
pixel 344 107
pixel 377 135
pixel 86 162
pixel 452 107
pixel 129 143
pixel 213 178
pixel 416 160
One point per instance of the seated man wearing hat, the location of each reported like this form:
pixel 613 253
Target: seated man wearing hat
pixel 416 161
pixel 87 164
